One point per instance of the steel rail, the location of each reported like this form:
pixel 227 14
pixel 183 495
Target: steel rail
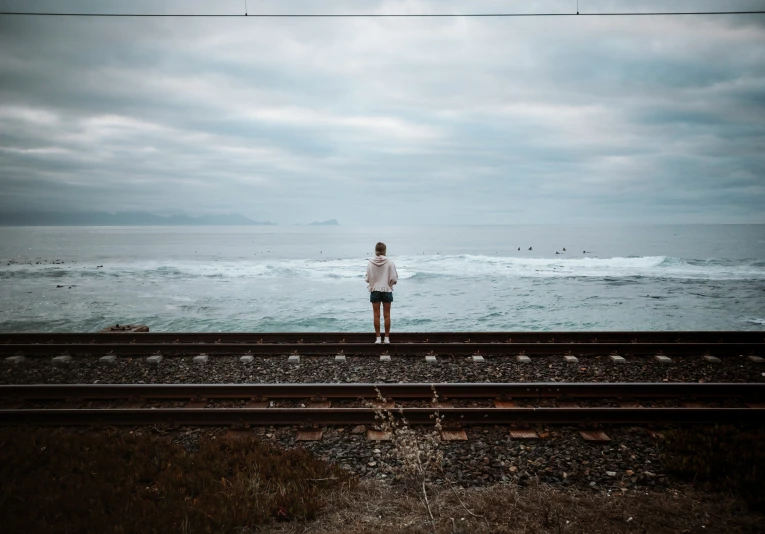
pixel 403 337
pixel 348 416
pixel 283 15
pixel 397 349
pixel 632 390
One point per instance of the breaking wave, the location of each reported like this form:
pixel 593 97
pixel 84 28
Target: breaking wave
pixel 415 267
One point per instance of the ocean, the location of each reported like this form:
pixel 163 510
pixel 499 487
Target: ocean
pixel 451 278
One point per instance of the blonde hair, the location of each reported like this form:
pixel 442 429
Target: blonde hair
pixel 380 249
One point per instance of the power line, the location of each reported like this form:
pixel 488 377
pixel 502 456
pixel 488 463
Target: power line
pixel 377 15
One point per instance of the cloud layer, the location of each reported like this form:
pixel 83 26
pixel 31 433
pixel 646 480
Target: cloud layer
pixel 387 121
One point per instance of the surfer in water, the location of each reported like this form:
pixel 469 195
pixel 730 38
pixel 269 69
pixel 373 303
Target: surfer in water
pixel 381 277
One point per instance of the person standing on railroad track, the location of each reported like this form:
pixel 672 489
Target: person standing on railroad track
pixel 381 277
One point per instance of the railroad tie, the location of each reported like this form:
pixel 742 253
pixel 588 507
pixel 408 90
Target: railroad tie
pixel 379 435
pixel 594 436
pixel 454 435
pixel 309 435
pixel 523 434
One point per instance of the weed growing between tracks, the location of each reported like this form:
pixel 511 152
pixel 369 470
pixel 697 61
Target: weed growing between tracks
pixel 419 455
pixel 63 481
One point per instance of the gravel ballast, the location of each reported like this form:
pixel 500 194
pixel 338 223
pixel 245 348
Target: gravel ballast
pixel 560 457
pixel 324 369
pixel 489 456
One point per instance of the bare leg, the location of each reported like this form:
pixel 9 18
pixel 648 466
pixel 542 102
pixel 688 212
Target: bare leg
pixel 386 313
pixel 376 312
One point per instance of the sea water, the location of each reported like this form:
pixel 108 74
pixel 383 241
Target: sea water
pixel 311 278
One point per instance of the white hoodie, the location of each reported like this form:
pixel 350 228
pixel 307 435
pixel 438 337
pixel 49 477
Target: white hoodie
pixel 381 274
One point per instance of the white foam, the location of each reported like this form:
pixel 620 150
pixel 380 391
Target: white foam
pixel 470 265
pixel 425 267
pixel 618 267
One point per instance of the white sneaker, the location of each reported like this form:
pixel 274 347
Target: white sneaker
pixel 387 341
pixel 377 341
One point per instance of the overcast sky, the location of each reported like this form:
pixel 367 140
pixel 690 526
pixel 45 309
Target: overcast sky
pixel 387 121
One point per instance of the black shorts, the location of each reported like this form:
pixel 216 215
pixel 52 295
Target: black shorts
pixel 381 296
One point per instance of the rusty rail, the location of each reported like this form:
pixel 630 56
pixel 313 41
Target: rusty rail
pixel 452 416
pixel 348 416
pixel 558 390
pixel 402 337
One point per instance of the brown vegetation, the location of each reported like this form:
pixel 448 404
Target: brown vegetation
pixel 724 455
pixel 375 508
pixel 63 481
pixel 69 481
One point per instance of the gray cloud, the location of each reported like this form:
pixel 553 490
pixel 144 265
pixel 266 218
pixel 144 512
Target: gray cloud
pixel 491 121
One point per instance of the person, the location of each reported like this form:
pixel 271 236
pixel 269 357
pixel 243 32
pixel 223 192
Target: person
pixel 381 277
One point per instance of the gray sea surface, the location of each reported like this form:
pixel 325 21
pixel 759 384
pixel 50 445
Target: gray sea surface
pixel 452 278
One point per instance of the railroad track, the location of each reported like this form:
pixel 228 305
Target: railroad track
pixel 396 349
pixel 312 406
pixel 715 344
pixel 249 338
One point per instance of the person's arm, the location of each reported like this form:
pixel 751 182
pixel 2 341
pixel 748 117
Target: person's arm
pixel 366 278
pixel 393 275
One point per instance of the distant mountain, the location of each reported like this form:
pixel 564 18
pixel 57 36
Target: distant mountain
pixel 328 222
pixel 121 218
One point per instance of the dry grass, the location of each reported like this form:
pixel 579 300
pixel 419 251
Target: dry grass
pixel 417 455
pixel 724 455
pixel 416 506
pixel 64 481
pixel 376 507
